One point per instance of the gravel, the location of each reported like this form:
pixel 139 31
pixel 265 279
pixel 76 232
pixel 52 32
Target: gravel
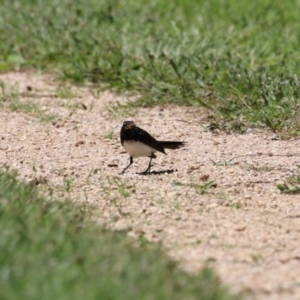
pixel 214 202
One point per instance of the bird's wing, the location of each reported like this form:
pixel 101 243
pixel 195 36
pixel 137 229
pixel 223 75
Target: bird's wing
pixel 122 137
pixel 144 137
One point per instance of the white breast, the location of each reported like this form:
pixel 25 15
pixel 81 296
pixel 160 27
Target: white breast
pixel 136 149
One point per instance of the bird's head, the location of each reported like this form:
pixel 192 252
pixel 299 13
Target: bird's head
pixel 128 125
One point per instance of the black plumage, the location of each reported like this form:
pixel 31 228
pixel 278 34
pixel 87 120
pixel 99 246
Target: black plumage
pixel 138 142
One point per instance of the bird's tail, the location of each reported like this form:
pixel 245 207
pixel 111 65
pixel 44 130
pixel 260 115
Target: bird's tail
pixel 171 144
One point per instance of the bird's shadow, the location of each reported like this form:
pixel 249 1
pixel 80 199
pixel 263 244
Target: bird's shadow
pixel 169 171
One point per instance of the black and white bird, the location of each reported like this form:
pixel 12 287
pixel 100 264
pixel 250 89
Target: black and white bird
pixel 138 142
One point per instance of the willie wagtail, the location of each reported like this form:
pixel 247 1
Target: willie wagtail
pixel 138 142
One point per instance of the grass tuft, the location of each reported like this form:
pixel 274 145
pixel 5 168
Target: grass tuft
pixel 292 184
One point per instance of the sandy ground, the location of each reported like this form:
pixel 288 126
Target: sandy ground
pixel 215 201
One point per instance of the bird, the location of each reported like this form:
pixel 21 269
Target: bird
pixel 138 142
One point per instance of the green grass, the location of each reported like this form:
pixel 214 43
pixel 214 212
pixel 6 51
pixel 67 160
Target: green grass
pixel 292 184
pixel 51 250
pixel 199 188
pixel 239 59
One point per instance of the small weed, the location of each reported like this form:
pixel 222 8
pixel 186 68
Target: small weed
pixel 264 168
pixel 227 125
pixel 227 246
pixel 96 92
pixel 199 188
pixel 116 184
pixel 26 107
pixel 11 99
pixel 222 163
pixel 8 96
pixel 234 204
pixel 47 118
pixel 203 188
pixel 110 134
pixel 65 92
pixel 86 198
pixel 291 186
pixel 119 110
pixel 210 260
pixel 176 205
pixel 122 189
pixel 256 257
pixel 66 187
pixel 295 178
pixel 124 192
pixel 68 184
pixel 89 176
pixel 72 105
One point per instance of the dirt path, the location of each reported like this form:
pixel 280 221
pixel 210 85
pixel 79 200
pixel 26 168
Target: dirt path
pixel 214 209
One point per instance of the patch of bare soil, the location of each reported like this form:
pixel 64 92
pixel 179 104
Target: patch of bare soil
pixel 219 205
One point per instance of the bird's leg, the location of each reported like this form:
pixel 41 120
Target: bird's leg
pixel 130 163
pixel 149 166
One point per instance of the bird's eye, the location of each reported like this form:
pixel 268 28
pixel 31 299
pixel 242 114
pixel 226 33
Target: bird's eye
pixel 129 125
